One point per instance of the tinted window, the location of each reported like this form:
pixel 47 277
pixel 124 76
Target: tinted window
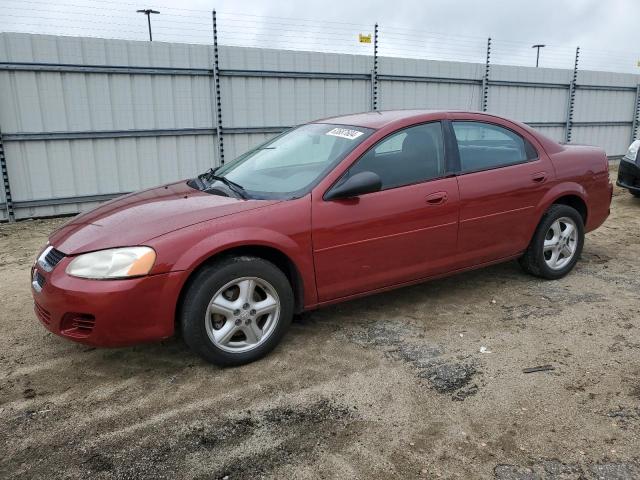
pixel 483 146
pixel 409 156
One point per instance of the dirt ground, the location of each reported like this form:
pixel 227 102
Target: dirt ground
pixel 422 382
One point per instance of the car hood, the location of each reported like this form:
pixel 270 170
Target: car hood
pixel 138 217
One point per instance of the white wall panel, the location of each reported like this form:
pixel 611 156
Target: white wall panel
pixel 69 168
pixel 529 104
pixel 554 133
pixel 603 105
pixel 246 58
pixel 55 102
pixel 253 102
pixel 35 102
pixel 614 140
pixel 402 94
pixel 586 77
pixel 430 68
pixel 531 74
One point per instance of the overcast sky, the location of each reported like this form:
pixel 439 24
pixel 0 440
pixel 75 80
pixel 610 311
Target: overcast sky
pixel 607 31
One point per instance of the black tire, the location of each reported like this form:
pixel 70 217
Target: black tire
pixel 533 260
pixel 635 194
pixel 209 280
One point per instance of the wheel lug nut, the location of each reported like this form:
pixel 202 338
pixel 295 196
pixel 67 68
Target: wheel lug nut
pixel 236 312
pixel 252 311
pixel 247 321
pixel 245 306
pixel 238 321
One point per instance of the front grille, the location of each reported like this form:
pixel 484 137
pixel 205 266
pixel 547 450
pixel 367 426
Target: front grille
pixel 50 258
pixel 53 257
pixel 40 280
pixel 43 315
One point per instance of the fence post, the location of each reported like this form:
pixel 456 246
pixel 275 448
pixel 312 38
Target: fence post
pixel 572 99
pixel 485 78
pixel 636 116
pixel 218 99
pixel 5 182
pixel 374 72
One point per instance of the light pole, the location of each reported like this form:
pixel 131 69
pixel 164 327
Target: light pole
pixel 538 47
pixel 148 12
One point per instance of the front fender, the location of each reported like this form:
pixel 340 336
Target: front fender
pixel 287 232
pixel 239 237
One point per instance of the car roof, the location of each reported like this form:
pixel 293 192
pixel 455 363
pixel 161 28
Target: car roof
pixel 382 118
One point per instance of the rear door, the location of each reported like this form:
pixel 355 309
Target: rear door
pixel 502 179
pixel 406 231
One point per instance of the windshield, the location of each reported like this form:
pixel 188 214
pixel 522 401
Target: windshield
pixel 291 163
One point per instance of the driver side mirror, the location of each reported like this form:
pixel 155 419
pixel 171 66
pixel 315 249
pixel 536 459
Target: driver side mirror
pixel 359 184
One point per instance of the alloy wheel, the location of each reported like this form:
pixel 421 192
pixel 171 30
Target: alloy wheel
pixel 560 243
pixel 242 314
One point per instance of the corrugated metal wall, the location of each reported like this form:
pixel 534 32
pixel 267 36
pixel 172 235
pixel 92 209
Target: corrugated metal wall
pixel 269 101
pixel 605 105
pixel 420 93
pixel 151 105
pixel 44 101
pixel 275 101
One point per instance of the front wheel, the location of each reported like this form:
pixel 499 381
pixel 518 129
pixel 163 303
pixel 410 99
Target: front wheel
pixel 556 244
pixel 236 310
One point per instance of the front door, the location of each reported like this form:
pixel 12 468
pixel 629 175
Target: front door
pixel 404 232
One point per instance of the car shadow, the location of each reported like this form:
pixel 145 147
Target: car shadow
pixel 173 355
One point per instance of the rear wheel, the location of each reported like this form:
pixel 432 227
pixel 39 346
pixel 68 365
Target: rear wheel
pixel 236 310
pixel 556 244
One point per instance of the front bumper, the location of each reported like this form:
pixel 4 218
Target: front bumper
pixel 106 313
pixel 629 176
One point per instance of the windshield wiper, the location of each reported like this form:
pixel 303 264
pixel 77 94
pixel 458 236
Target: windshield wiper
pixel 233 186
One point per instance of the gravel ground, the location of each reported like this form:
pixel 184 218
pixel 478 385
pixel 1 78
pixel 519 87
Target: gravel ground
pixel 422 382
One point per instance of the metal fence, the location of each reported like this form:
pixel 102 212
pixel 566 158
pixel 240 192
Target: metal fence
pixel 83 120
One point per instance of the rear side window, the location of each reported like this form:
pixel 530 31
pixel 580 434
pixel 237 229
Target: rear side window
pixel 412 155
pixel 483 146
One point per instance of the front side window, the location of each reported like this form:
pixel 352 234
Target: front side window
pixel 483 146
pixel 288 165
pixel 412 155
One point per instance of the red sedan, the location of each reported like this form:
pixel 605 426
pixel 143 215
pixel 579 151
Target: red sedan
pixel 323 213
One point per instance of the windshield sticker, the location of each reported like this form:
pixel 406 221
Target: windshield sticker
pixel 347 133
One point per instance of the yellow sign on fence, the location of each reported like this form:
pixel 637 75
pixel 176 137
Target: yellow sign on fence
pixel 364 38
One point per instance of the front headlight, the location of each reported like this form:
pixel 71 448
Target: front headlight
pixel 113 263
pixel 632 153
